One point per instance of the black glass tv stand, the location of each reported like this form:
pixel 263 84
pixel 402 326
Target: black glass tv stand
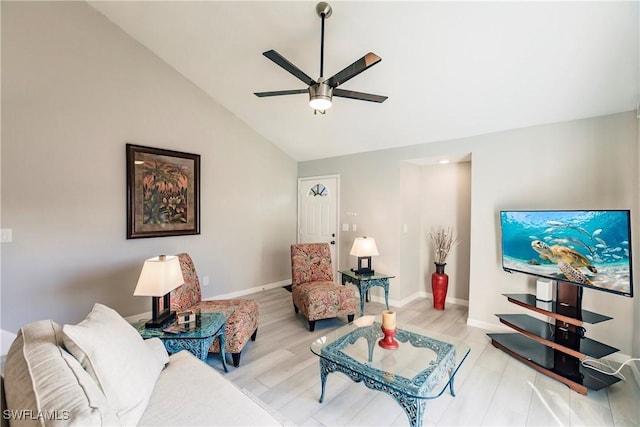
pixel 556 349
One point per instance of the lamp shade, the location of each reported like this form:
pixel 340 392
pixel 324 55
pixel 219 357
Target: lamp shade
pixel 364 247
pixel 159 276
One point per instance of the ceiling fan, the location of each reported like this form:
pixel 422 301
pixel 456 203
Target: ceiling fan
pixel 322 91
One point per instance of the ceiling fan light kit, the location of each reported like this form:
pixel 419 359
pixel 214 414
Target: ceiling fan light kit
pixel 321 92
pixel 320 96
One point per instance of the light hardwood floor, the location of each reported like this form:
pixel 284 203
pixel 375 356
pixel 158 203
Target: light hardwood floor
pixel 492 388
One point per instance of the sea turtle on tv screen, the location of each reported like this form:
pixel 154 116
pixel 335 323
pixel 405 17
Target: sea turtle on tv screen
pixel 568 260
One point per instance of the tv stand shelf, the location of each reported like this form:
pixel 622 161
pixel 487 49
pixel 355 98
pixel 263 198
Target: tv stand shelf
pixel 556 311
pixel 544 333
pixel 552 363
pixel 556 350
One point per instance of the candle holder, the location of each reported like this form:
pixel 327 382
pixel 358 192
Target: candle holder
pixel 388 342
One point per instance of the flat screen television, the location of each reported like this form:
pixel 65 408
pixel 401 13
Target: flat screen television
pixel 590 248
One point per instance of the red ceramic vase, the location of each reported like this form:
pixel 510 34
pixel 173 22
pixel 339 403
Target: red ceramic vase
pixel 439 285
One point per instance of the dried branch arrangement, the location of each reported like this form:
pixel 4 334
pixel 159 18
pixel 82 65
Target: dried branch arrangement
pixel 443 242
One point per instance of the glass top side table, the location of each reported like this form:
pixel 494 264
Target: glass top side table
pixel 195 340
pixel 364 282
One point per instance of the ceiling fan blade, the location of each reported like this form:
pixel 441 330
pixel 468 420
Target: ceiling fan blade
pixel 281 92
pixel 359 95
pixel 369 60
pixel 284 63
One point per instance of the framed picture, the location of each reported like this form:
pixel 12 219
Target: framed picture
pixel 163 192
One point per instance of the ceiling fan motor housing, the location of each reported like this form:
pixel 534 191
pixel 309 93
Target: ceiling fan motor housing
pixel 320 95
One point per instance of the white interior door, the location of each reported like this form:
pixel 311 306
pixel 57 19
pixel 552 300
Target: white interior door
pixel 318 213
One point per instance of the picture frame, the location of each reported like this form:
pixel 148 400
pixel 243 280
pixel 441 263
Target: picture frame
pixel 163 192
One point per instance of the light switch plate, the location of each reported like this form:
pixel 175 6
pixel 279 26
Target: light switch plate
pixel 345 227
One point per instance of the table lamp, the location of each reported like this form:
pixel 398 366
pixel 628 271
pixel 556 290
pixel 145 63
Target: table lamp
pixel 364 248
pixel 160 275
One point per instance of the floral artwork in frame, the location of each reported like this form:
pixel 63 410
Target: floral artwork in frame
pixel 163 192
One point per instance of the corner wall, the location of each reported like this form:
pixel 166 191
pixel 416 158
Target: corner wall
pixel 446 202
pixel 75 90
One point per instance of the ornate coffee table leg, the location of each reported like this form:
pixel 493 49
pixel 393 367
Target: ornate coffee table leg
pixel 413 407
pixel 451 378
pixel 324 372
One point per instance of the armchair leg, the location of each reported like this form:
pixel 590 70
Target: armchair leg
pixel 236 359
pixel 312 325
pixel 350 317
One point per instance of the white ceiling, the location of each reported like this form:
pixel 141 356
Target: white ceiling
pixel 450 69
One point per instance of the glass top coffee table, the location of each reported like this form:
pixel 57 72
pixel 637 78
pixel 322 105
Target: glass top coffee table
pixel 421 368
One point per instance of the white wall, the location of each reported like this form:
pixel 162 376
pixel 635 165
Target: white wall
pixel 590 163
pixel 75 90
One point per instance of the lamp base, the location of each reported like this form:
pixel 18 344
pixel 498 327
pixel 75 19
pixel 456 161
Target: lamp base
pixel 161 314
pixel 161 320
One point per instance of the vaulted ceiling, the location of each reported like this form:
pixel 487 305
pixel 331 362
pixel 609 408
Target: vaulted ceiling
pixel 450 69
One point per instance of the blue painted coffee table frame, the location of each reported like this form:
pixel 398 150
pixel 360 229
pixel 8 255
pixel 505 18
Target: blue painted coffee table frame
pixel 364 282
pixel 197 341
pixel 336 355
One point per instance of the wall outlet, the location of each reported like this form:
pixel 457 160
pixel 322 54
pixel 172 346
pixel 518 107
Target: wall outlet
pixel 6 235
pixel 205 280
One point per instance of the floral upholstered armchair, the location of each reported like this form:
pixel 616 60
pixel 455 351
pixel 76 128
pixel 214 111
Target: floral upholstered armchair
pixel 241 326
pixel 313 290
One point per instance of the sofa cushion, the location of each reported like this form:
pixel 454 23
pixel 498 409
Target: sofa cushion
pixel 46 386
pixel 113 353
pixel 191 393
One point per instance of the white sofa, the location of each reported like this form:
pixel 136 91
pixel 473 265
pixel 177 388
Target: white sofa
pixel 100 372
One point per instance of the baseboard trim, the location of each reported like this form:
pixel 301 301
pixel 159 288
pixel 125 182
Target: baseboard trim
pixel 415 296
pixel 375 298
pixel 147 315
pixel 636 372
pixel 621 358
pixel 489 327
pixel 248 291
